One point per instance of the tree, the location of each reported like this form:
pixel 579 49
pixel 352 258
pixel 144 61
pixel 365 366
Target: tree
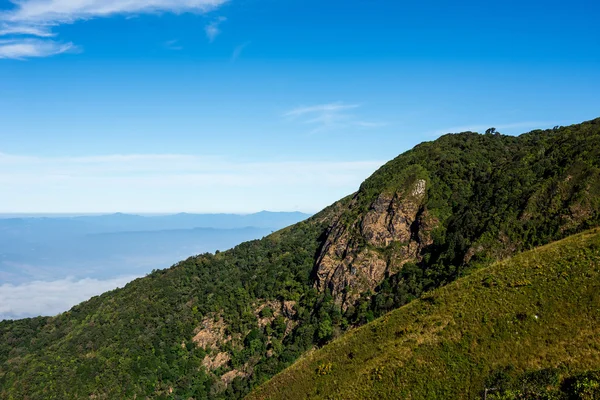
pixel 325 330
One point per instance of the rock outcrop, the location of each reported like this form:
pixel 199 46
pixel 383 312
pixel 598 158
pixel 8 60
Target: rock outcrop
pixel 214 361
pixel 356 257
pixel 211 333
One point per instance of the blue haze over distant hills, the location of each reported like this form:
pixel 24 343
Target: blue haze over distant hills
pixel 50 263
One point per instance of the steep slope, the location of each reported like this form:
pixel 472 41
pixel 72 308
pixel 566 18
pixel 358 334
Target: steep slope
pixel 463 200
pixel 217 325
pixel 537 311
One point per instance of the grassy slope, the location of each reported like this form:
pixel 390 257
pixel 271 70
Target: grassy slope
pixel 127 342
pixel 446 345
pixel 500 194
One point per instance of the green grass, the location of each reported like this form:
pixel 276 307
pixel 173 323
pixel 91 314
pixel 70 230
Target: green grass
pixel 487 197
pixel 538 310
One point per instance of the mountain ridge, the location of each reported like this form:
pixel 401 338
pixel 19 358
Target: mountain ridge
pixel 535 313
pixel 484 198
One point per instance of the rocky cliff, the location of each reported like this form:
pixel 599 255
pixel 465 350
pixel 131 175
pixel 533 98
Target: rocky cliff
pixel 217 325
pixel 357 256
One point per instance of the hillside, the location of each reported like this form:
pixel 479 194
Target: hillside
pixel 523 326
pixel 103 246
pixel 217 325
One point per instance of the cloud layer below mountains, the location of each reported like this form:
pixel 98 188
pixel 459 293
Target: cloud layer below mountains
pixel 51 298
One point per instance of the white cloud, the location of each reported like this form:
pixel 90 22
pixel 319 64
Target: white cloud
pixel 331 116
pixel 212 29
pixel 51 298
pixel 20 49
pixel 55 12
pixel 26 30
pixel 38 17
pixel 173 183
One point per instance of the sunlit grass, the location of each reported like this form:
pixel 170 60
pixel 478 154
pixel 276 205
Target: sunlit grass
pixel 540 309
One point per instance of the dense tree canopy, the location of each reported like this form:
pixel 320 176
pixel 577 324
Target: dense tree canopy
pixel 493 195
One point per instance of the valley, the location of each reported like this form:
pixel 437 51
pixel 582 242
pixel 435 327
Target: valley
pixel 437 230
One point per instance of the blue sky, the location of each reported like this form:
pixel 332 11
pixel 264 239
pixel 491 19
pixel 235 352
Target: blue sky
pixel 243 105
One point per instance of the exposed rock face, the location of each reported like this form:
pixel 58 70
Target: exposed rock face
pixel 275 307
pixel 212 362
pixel 211 333
pixel 278 308
pixel 288 309
pixel 228 377
pixel 356 258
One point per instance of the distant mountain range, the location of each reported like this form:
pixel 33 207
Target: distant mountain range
pixel 100 246
pixel 119 222
pixel 218 326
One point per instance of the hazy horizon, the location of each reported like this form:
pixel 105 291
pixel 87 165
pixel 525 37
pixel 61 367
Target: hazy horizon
pixel 49 264
pixel 141 214
pixel 216 107
pixel 224 106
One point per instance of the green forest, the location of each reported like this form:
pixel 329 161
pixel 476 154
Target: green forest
pixel 506 332
pixel 216 326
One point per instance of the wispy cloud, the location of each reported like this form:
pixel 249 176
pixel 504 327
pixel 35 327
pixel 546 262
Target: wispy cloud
pixel 212 29
pixel 51 298
pixel 237 52
pixel 55 12
pixel 173 183
pixel 331 108
pixel 173 45
pixel 37 17
pixel 21 49
pixel 17 30
pixel 330 116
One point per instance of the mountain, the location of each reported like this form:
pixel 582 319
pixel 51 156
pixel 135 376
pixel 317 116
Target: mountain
pixel 105 246
pixel 128 222
pixel 525 328
pixel 105 255
pixel 215 326
pixel 90 224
